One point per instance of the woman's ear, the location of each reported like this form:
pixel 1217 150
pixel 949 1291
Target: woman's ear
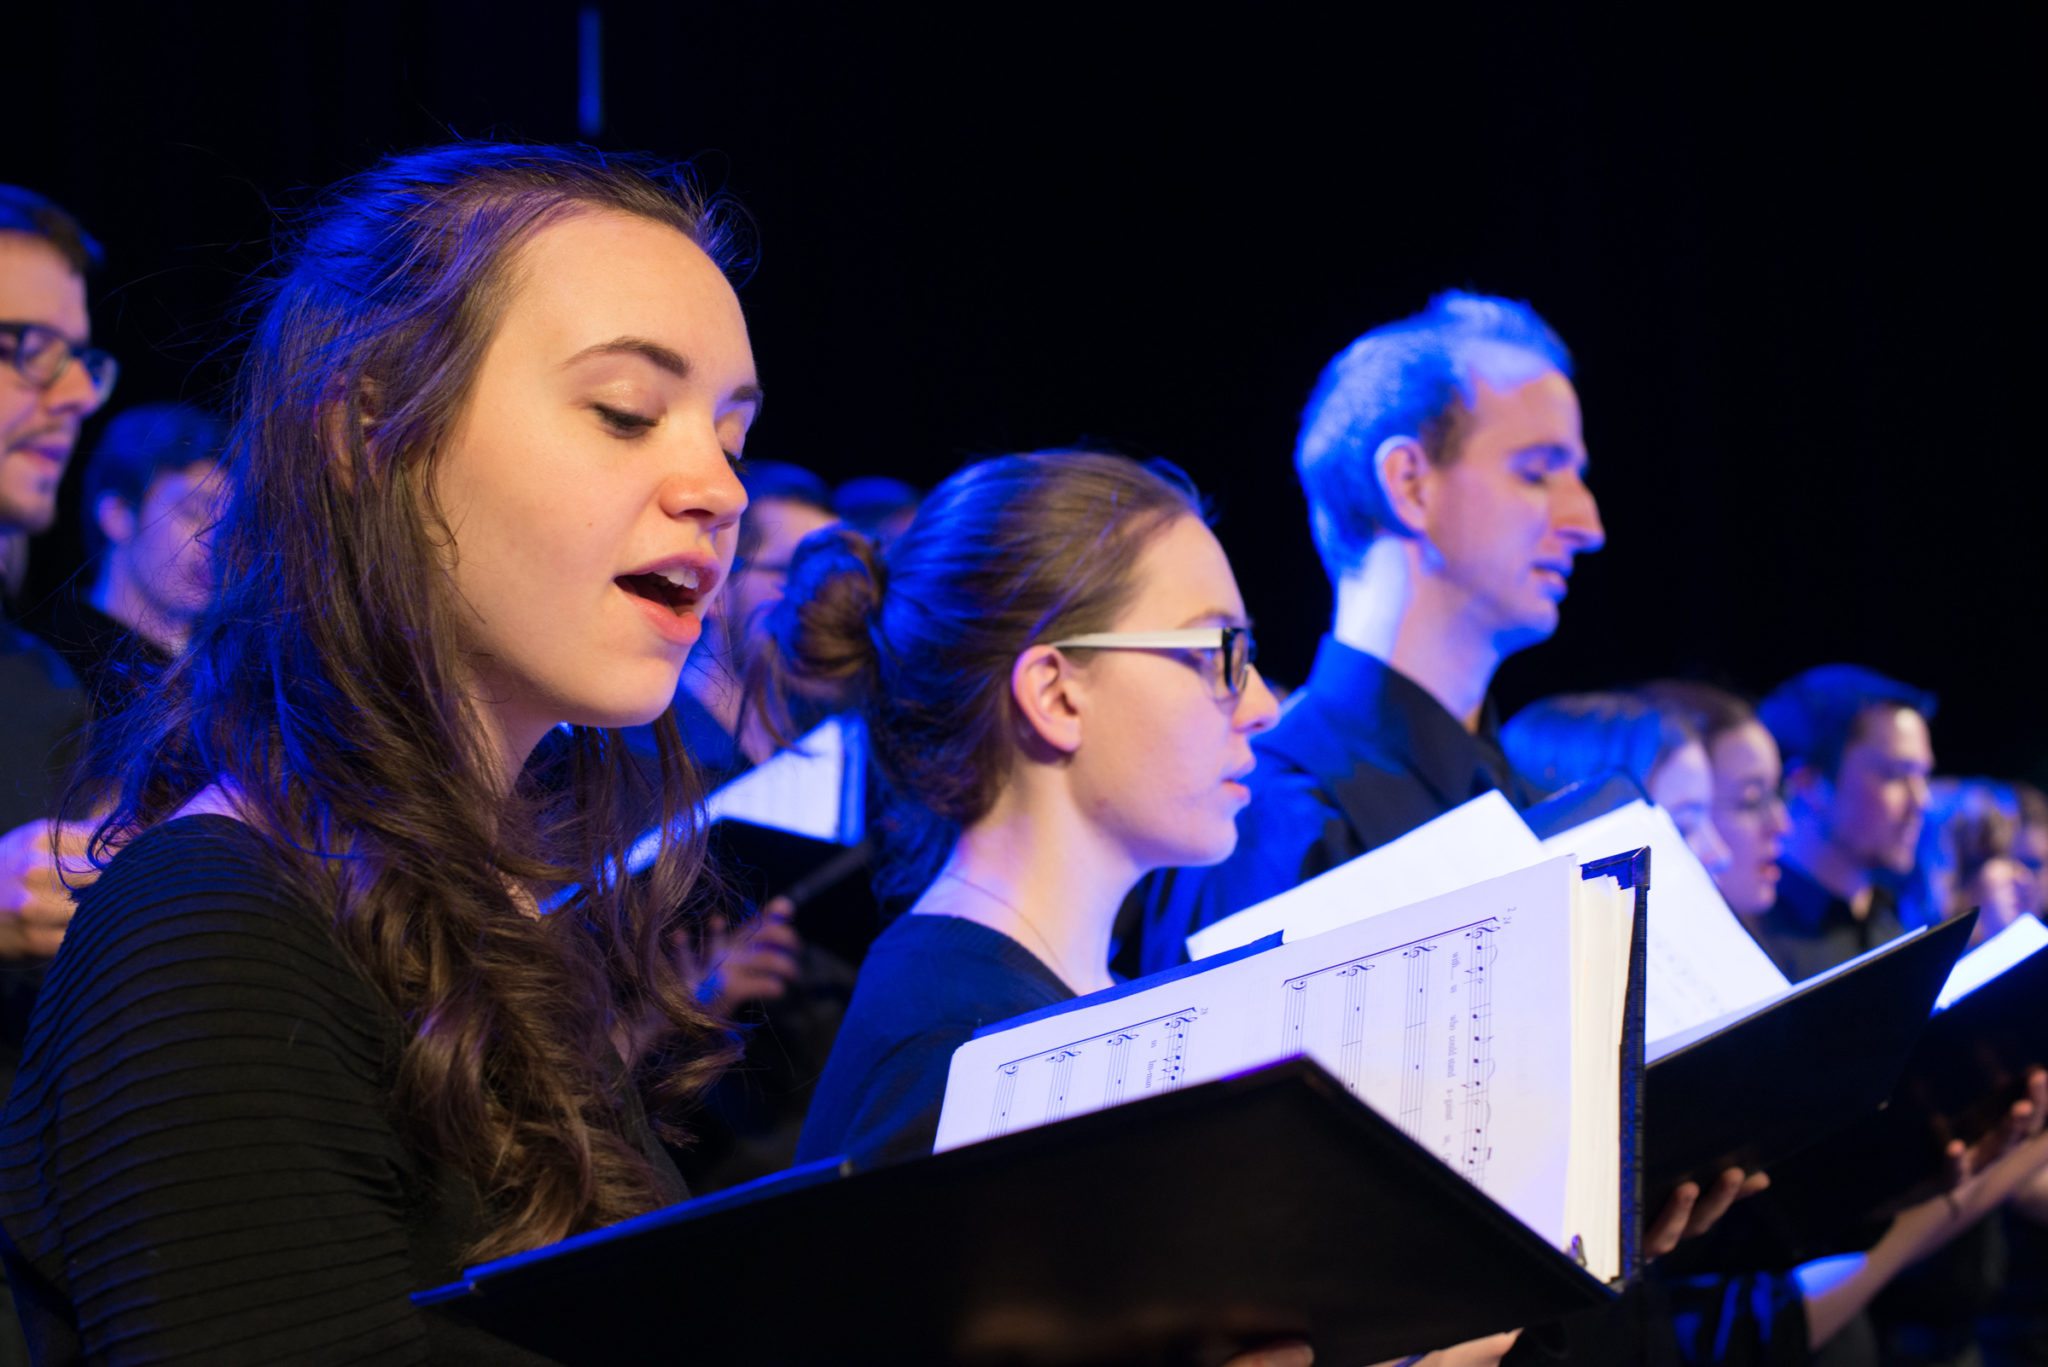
pixel 1043 685
pixel 1402 468
pixel 116 519
pixel 336 420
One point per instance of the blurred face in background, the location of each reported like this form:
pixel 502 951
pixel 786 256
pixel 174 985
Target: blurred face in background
pixel 158 547
pixel 2002 891
pixel 1748 815
pixel 1683 785
pixel 769 535
pixel 1872 810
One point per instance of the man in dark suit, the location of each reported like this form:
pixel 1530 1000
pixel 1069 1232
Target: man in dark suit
pixel 1858 755
pixel 51 380
pixel 1445 469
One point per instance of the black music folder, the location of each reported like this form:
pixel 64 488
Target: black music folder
pixel 1579 803
pixel 1814 1062
pixel 829 882
pixel 1967 1068
pixel 1183 1228
pixel 795 826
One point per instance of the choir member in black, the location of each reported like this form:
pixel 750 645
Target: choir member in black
pixel 1858 755
pixel 1054 667
pixel 1053 664
pixel 1575 738
pixel 1444 464
pixel 310 1044
pixel 149 496
pixel 1748 810
pixel 1445 468
pixel 1969 859
pixel 51 380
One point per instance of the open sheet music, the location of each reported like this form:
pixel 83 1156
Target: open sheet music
pixel 810 788
pixel 1703 966
pixel 1485 1023
pixel 1484 838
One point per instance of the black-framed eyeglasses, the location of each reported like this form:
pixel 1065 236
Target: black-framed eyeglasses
pixel 40 354
pixel 1234 647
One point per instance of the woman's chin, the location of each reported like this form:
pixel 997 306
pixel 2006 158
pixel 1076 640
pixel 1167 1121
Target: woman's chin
pixel 619 713
pixel 1190 854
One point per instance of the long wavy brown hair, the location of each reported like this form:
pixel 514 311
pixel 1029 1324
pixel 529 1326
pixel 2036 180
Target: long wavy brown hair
pixel 323 691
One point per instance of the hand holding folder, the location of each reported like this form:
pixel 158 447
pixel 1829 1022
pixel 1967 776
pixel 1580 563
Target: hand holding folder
pixel 1691 1211
pixel 1982 1176
pixel 1959 1083
pixel 755 961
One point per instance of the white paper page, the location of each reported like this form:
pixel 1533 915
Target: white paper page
pixel 1484 838
pixel 2017 941
pixel 1452 1018
pixel 800 789
pixel 1605 921
pixel 1702 964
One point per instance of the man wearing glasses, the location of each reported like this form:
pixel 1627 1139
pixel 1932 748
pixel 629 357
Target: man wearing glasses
pixel 51 380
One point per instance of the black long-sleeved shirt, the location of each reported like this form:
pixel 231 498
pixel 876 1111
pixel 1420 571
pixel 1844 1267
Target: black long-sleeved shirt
pixel 197 1162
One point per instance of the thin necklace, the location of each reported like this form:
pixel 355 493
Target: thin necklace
pixel 1059 965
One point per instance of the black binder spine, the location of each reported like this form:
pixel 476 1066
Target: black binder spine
pixel 1632 871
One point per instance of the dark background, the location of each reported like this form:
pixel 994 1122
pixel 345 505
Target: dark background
pixel 1794 264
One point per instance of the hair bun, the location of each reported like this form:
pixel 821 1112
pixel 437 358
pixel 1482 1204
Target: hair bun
pixel 819 646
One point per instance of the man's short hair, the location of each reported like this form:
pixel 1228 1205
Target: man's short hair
pixel 1816 716
pixel 790 483
pixel 139 445
pixel 865 502
pixel 25 211
pixel 775 479
pixel 1408 378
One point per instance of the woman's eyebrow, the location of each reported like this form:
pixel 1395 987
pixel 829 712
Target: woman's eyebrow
pixel 1220 616
pixel 667 358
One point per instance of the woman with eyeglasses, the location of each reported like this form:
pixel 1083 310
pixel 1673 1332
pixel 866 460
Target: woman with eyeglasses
pixel 1055 671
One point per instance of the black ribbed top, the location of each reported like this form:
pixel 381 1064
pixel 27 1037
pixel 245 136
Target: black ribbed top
pixel 196 1162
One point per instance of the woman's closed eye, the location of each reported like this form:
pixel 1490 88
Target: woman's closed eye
pixel 622 422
